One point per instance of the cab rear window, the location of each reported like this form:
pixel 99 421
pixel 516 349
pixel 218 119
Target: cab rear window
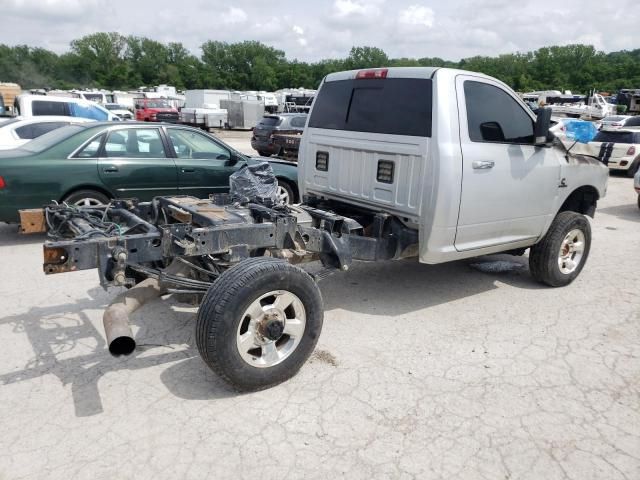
pixel 396 106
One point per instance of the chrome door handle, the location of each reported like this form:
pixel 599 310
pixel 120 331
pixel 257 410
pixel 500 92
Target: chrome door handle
pixel 188 170
pixel 483 164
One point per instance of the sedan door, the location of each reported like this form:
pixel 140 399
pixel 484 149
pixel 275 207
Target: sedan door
pixel 134 163
pixel 204 165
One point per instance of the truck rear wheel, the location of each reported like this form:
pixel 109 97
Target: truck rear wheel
pixel 561 254
pixel 259 322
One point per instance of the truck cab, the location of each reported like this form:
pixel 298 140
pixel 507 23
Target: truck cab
pixel 449 153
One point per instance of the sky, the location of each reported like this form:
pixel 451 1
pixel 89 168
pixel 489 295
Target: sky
pixel 313 30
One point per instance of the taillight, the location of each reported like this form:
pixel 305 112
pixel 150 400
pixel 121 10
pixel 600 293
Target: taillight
pixel 385 171
pixel 373 73
pixel 2 182
pixel 322 161
pixel 632 150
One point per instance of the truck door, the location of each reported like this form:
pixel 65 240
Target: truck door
pixel 134 163
pixel 509 186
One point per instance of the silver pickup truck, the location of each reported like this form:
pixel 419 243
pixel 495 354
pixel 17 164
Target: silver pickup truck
pixel 456 156
pixel 425 163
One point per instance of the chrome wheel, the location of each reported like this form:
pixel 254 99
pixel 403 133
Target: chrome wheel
pixel 571 251
pixel 271 329
pixel 87 202
pixel 283 195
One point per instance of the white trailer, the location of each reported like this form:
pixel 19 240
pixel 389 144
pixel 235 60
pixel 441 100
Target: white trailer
pixel 198 98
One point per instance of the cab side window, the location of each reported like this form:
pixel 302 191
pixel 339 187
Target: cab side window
pixel 494 116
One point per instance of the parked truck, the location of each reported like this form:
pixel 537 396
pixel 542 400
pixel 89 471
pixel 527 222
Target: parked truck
pixel 155 110
pixel 433 164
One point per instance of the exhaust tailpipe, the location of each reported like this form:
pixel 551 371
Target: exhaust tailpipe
pixel 116 317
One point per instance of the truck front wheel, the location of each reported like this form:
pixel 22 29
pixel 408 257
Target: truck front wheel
pixel 259 322
pixel 561 254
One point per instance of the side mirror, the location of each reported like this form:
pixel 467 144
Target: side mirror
pixel 231 161
pixel 541 129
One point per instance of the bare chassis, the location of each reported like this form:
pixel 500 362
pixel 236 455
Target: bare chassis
pixel 228 232
pixel 217 249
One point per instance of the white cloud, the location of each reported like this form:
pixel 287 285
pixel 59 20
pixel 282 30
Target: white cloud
pixel 417 15
pixel 349 8
pixel 235 15
pixel 315 30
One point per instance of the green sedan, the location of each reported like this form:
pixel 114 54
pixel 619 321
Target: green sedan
pixel 89 164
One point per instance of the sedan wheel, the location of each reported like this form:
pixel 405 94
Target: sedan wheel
pixel 86 198
pixel 285 193
pixel 87 202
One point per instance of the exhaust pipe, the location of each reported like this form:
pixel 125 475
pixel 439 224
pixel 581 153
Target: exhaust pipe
pixel 116 317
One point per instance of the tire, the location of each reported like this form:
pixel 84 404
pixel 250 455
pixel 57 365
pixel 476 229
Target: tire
pixel 567 231
pixel 638 200
pixel 631 172
pixel 262 153
pixel 285 192
pixel 224 323
pixel 87 198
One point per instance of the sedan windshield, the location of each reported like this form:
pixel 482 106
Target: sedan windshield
pixel 52 138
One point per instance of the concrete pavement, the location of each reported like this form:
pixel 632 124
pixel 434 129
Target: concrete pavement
pixel 468 370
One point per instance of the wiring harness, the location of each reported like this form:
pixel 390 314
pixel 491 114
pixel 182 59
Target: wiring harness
pixel 64 221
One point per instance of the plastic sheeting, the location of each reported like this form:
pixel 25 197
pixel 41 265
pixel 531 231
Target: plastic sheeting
pixel 580 130
pixel 254 183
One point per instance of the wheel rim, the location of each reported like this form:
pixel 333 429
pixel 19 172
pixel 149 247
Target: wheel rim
pixel 87 202
pixel 271 329
pixel 571 251
pixel 283 195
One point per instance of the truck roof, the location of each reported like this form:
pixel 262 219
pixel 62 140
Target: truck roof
pixel 405 72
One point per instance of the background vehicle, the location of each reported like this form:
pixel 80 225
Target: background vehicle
pixel 262 140
pixel 28 106
pixel 614 122
pixel 18 131
pixel 120 110
pixel 620 149
pixel 432 163
pixel 91 163
pixel 155 110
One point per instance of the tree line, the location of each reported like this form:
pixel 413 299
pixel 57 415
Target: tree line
pixel 114 61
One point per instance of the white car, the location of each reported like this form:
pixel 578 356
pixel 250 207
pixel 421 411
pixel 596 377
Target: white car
pixel 18 131
pixel 120 110
pixel 619 148
pixel 616 122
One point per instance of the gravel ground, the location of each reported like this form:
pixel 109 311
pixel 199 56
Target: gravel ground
pixel 467 370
